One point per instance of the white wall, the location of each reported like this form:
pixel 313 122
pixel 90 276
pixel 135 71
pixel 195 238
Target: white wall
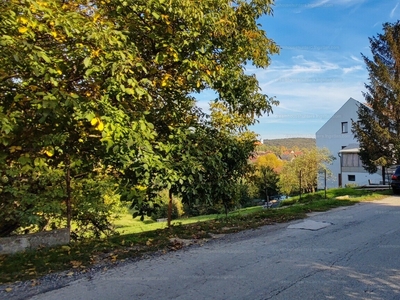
pixel 330 136
pixel 361 178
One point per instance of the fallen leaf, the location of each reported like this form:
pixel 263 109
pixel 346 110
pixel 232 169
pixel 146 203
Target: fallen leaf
pixel 70 274
pixel 8 290
pixel 34 283
pixel 75 263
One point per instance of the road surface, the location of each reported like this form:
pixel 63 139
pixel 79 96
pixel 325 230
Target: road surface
pixel 346 253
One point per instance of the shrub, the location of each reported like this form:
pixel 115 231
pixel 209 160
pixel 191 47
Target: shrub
pixel 162 211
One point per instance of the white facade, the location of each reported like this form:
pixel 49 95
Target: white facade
pixel 352 168
pixel 336 135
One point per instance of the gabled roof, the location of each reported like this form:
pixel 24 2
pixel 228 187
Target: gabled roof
pixel 349 102
pixel 352 148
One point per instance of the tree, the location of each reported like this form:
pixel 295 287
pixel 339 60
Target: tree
pixel 309 164
pixel 266 180
pixel 89 85
pixel 378 129
pixel 269 160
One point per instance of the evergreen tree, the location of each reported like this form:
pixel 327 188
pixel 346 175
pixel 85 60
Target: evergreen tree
pixel 378 129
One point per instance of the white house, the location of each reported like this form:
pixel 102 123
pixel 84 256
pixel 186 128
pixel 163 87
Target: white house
pixel 336 135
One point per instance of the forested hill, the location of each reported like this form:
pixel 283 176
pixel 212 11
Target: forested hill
pixel 291 143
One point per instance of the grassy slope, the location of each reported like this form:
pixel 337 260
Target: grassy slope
pixel 137 237
pixel 127 225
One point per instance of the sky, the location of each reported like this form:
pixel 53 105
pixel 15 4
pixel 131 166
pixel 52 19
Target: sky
pixel 320 64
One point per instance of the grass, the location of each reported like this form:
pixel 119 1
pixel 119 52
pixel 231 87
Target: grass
pixel 127 225
pixel 137 238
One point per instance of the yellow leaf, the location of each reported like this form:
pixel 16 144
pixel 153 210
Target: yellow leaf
pixel 95 53
pixel 22 29
pixel 96 17
pixel 100 127
pixel 49 151
pixel 54 34
pixel 8 290
pixel 70 274
pixel 23 20
pixel 59 71
pixel 95 121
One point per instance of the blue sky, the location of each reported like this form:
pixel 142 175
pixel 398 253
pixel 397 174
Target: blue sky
pixel 320 64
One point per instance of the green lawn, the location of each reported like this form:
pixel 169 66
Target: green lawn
pixel 127 225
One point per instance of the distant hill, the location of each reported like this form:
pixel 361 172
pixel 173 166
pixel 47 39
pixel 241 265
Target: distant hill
pixel 291 143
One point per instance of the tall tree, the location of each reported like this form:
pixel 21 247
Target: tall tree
pixel 378 129
pixel 109 84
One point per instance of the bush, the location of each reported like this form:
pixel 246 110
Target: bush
pixel 162 211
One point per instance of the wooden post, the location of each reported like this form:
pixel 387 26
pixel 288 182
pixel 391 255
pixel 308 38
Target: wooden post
pixel 383 175
pixel 325 182
pixel 300 184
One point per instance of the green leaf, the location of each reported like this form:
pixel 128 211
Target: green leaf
pixel 87 62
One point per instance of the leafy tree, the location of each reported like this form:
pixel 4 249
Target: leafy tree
pixel 378 129
pixel 88 85
pixel 266 180
pixel 269 160
pixel 309 164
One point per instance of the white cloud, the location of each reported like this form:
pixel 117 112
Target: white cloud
pixel 393 10
pixel 318 3
pixel 356 59
pixel 351 69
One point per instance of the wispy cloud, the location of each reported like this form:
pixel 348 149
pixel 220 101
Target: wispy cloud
pixel 351 69
pixel 356 59
pixel 318 3
pixel 393 10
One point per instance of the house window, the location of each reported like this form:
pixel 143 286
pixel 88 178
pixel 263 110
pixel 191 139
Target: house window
pixel 351 177
pixel 351 160
pixel 345 126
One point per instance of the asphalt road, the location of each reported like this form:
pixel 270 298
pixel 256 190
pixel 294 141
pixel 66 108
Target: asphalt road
pixel 347 253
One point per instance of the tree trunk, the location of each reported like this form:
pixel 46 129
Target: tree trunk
pixel 68 184
pixel 169 217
